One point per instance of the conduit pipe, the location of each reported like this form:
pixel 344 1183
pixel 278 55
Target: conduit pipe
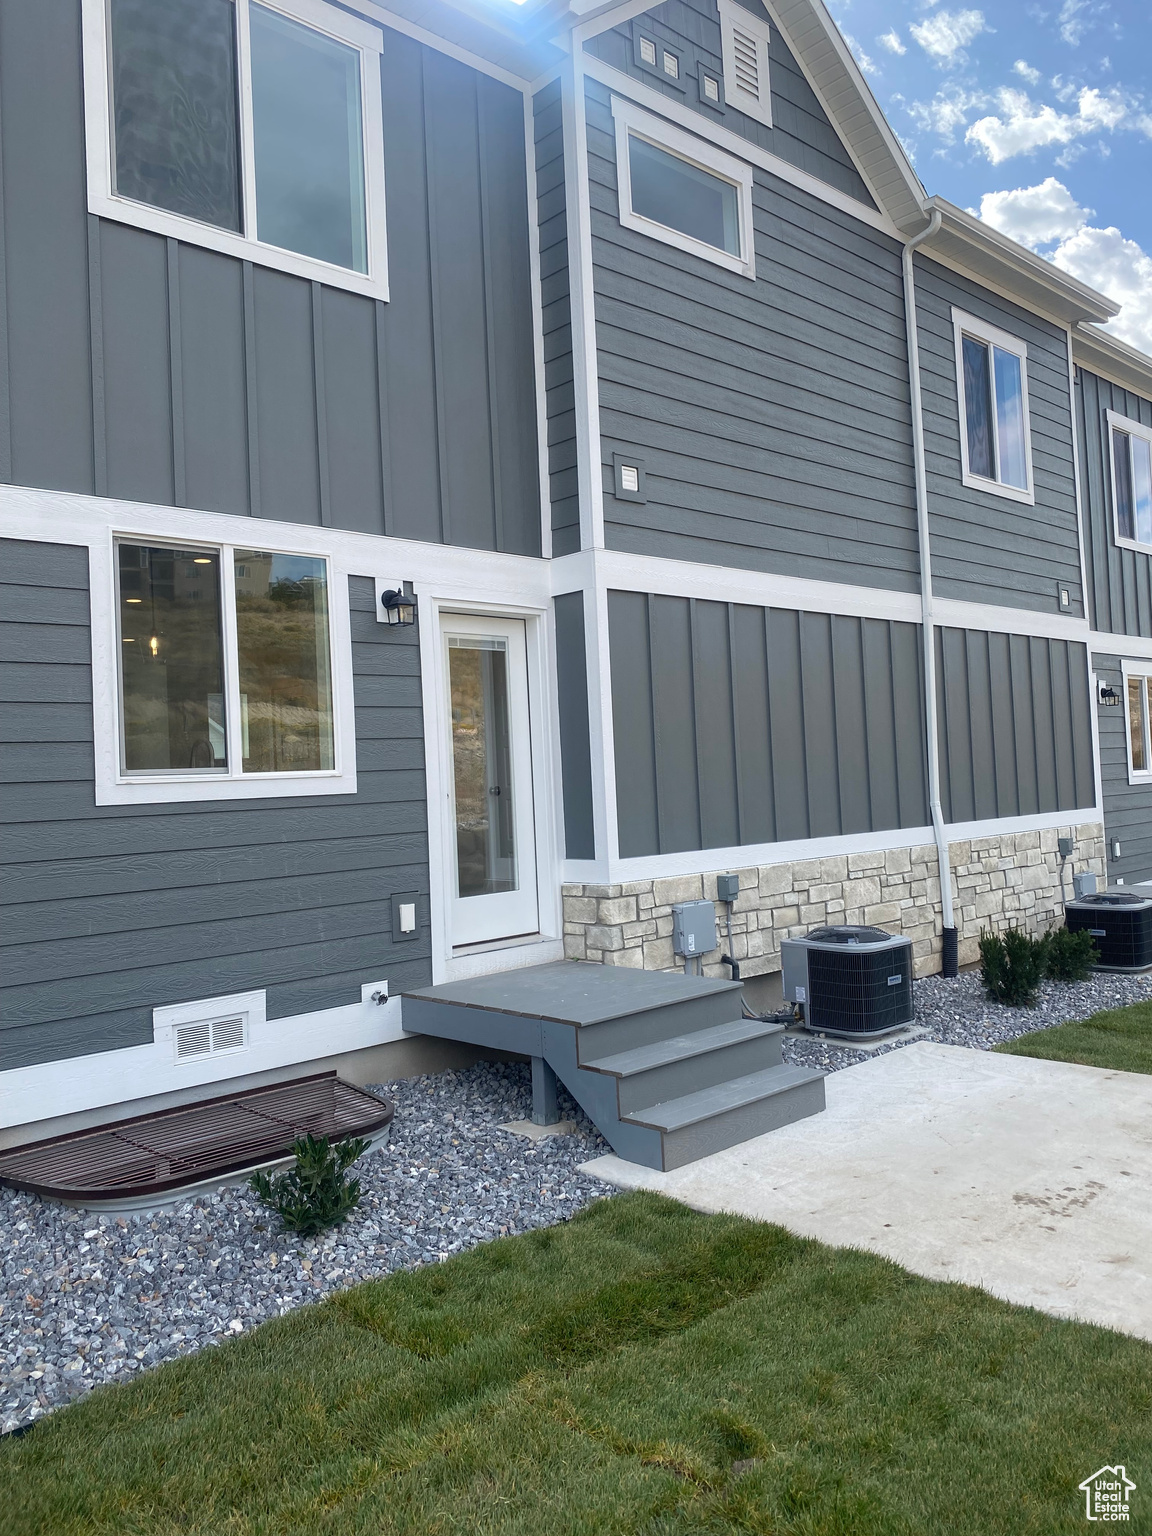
pixel 927 623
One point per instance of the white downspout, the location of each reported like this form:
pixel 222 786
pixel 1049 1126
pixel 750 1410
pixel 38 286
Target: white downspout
pixel 926 605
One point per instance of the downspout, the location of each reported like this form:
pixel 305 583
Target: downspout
pixel 950 957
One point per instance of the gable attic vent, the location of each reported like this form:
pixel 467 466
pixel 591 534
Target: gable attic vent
pixel 747 67
pixel 210 1037
pixel 744 39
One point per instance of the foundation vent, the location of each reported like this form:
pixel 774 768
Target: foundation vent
pixel 210 1037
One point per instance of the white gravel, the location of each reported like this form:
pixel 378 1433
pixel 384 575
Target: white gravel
pixel 86 1299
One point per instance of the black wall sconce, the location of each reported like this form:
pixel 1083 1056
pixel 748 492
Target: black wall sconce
pixel 398 607
pixel 1107 694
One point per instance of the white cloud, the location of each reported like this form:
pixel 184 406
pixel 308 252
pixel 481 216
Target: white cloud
pixel 868 65
pixel 1075 16
pixel 1026 72
pixel 1037 215
pixel 948 111
pixel 1102 258
pixel 1023 126
pixel 945 34
pixel 891 41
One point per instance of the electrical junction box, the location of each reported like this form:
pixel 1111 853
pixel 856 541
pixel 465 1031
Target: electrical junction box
pixel 1084 885
pixel 694 927
pixel 727 887
pixel 1065 846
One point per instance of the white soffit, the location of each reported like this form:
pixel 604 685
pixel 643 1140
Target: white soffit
pixel 1113 359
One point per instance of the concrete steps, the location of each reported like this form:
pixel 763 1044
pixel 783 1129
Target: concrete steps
pixel 663 1064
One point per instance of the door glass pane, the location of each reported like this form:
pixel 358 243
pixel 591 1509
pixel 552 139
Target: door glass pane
pixel 482 765
pixel 171 667
pixel 1136 723
pixel 174 107
pixel 309 142
pixel 669 191
pixel 1010 419
pixel 978 409
pixel 285 665
pixel 1142 487
pixel 1125 498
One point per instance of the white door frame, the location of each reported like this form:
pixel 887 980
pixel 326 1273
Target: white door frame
pixel 449 963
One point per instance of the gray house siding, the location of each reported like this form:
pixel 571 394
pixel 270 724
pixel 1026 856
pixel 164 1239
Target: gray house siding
pixel 772 416
pixel 800 132
pixel 986 548
pixel 144 368
pixel 111 911
pixel 575 745
pixel 1119 580
pixel 1127 807
pixel 552 224
pixel 1015 729
pixel 737 724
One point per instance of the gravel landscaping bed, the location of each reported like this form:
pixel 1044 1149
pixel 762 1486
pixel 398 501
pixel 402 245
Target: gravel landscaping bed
pixel 88 1298
pixel 958 1012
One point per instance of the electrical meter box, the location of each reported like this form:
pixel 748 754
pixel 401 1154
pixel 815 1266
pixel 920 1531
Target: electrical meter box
pixel 694 927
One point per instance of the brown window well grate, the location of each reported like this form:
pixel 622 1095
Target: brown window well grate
pixel 194 1143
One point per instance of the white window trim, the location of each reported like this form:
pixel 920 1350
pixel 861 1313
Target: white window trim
pixel 1143 670
pixel 1133 429
pixel 632 119
pixel 103 200
pixel 969 325
pixel 758 29
pixel 113 785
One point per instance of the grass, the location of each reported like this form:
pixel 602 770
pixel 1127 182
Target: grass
pixel 1119 1039
pixel 641 1369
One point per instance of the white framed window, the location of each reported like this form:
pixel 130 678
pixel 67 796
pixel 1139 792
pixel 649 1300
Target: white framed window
pixel 1138 710
pixel 992 384
pixel 681 190
pixel 1130 448
pixel 226 673
pixel 252 127
pixel 744 46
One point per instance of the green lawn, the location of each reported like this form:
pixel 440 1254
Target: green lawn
pixel 642 1369
pixel 1120 1039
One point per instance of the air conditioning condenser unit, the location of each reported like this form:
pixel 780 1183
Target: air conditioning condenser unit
pixel 854 983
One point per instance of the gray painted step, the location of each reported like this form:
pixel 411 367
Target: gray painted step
pixel 651 1074
pixel 727 1113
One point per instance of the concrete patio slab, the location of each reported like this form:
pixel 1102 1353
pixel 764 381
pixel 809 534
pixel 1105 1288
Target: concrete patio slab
pixel 1032 1179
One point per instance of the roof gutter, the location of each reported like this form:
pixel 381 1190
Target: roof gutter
pixel 927 625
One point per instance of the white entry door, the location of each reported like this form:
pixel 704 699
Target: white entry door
pixel 493 843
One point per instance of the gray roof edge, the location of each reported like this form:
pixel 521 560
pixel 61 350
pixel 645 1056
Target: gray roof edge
pixel 1107 355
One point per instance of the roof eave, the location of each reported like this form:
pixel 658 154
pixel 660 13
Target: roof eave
pixel 1113 359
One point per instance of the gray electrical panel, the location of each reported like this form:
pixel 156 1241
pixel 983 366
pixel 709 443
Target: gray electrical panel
pixel 1084 885
pixel 694 927
pixel 727 887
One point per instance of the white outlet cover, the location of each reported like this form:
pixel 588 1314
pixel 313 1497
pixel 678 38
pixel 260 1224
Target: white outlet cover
pixel 407 917
pixel 369 987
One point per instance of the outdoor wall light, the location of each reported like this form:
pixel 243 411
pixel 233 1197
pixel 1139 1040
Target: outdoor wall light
pixel 399 607
pixel 1107 694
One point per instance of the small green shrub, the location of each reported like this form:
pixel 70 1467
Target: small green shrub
pixel 1071 954
pixel 315 1193
pixel 1012 966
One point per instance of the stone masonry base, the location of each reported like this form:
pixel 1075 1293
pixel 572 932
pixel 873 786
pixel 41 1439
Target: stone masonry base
pixel 1014 879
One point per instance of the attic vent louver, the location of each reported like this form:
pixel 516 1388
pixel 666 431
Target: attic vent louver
pixel 210 1038
pixel 747 65
pixel 745 43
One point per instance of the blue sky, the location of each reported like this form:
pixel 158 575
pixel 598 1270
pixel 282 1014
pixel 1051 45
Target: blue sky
pixel 1035 114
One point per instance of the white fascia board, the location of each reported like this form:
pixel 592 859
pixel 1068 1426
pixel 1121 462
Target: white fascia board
pixel 748 856
pixel 701 127
pixel 1112 359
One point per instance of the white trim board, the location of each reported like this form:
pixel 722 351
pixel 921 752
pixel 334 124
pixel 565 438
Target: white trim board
pixel 709 860
pixel 702 127
pixel 140 1071
pixel 1103 645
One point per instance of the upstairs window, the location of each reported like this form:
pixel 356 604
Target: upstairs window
pixel 683 191
pixel 744 41
pixel 1131 481
pixel 992 374
pixel 248 127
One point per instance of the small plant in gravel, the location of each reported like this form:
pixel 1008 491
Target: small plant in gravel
pixel 1071 954
pixel 315 1194
pixel 1012 966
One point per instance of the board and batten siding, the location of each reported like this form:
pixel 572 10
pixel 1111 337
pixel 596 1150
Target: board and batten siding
pixel 156 371
pixel 737 724
pixel 985 547
pixel 556 311
pixel 800 133
pixel 575 742
pixel 772 417
pixel 110 911
pixel 1119 580
pixel 1127 807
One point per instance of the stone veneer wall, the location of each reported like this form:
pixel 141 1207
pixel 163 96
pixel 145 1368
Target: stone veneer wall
pixel 999 882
